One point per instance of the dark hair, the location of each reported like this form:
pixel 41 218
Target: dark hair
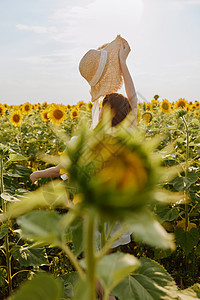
pixel 119 106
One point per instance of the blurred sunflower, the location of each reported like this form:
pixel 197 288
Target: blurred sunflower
pixel 165 106
pixel 89 106
pixel 80 104
pixel 2 110
pixel 16 118
pixel 57 114
pixel 27 107
pixel 188 108
pixel 154 104
pixel 44 115
pixel 196 114
pixel 181 103
pixel 74 114
pixel 197 104
pixel 147 117
pixel 138 116
pixel 44 105
pixel 68 106
pixel 193 107
pixel 148 107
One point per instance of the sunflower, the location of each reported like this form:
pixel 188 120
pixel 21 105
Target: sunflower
pixel 181 103
pixel 165 106
pixel 188 108
pixel 147 117
pixel 44 115
pixel 27 107
pixel 80 104
pixel 154 104
pixel 74 114
pixel 196 114
pixel 57 114
pixel 197 104
pixel 68 106
pixel 193 107
pixel 2 109
pixel 138 116
pixel 148 107
pixel 89 106
pixel 16 118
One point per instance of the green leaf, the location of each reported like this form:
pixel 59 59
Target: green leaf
pixel 17 157
pixel 29 256
pixel 42 286
pixel 52 194
pixel 167 213
pixel 113 268
pixel 150 282
pixel 70 281
pixel 3 230
pixel 77 239
pixel 82 290
pixel 187 239
pixel 147 229
pixel 42 226
pixel 183 183
pixel 3 277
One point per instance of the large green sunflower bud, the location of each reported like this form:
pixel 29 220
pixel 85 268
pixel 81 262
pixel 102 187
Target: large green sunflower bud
pixel 115 173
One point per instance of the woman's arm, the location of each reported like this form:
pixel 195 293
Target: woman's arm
pixel 50 172
pixel 128 82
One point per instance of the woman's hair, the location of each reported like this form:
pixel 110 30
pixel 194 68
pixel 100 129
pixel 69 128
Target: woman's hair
pixel 119 105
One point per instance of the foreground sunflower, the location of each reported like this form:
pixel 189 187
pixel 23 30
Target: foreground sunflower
pixel 16 118
pixel 57 114
pixel 27 107
pixel 114 174
pixel 165 106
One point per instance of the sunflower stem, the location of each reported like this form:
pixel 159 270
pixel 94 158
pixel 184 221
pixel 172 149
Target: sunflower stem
pixel 7 251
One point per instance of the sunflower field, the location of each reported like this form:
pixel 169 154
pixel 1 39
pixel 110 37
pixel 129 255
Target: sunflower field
pixel 148 180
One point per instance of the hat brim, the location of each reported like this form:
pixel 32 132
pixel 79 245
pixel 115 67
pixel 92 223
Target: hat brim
pixel 111 79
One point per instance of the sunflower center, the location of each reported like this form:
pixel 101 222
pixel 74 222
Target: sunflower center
pixel 1 110
pixel 45 116
pixel 27 107
pixel 165 106
pixel 75 113
pixel 58 114
pixel 16 118
pixel 181 104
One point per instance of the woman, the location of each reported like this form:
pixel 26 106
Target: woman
pixel 120 106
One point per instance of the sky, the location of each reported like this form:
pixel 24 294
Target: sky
pixel 43 41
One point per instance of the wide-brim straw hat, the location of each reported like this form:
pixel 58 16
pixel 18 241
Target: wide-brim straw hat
pixel 101 68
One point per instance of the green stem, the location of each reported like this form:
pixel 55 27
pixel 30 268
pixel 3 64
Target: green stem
pixel 90 253
pixel 110 242
pixel 74 260
pixel 20 272
pixel 186 173
pixel 106 295
pixel 8 257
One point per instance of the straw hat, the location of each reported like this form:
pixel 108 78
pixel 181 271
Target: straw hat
pixel 101 68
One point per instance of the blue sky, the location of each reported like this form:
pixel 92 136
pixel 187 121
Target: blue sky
pixel 42 42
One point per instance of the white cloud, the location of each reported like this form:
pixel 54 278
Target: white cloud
pixel 182 4
pixel 54 58
pixel 36 29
